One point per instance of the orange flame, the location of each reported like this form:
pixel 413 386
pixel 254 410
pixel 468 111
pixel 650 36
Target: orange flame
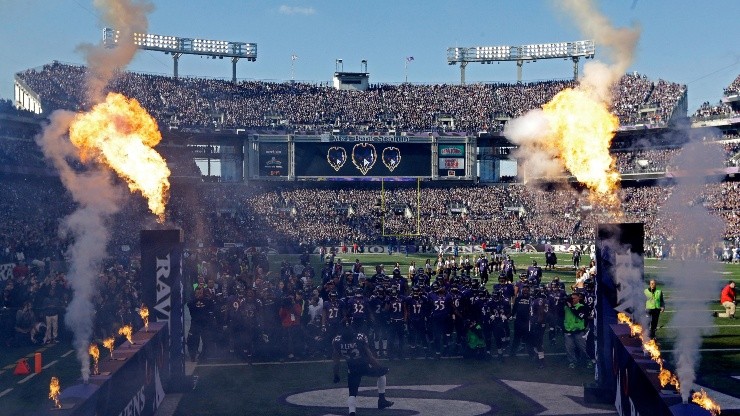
pixel 581 130
pixel 144 313
pixel 110 343
pixel 702 399
pixel 635 329
pixel 651 347
pixel 126 331
pixel 54 389
pixel 666 377
pixel 95 353
pixel 121 134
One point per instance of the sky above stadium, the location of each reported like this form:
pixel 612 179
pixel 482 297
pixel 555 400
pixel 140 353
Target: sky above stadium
pixel 689 42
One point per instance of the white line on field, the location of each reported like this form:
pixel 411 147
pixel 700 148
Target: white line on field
pixel 4 392
pixel 711 350
pixel 49 365
pixel 703 326
pixel 329 361
pixel 695 310
pixel 67 353
pixel 28 377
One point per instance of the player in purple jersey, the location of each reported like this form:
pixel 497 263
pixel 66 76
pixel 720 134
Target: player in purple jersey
pixel 482 268
pixel 357 310
pixel 458 318
pixel 379 321
pixel 417 308
pixel 534 274
pixel 508 268
pixel 556 298
pixel 538 309
pixel 396 312
pixel 520 314
pixel 500 311
pixel 331 318
pixel 506 289
pixel 440 318
pixel 353 346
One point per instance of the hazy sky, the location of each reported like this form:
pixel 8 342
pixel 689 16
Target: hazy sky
pixel 690 42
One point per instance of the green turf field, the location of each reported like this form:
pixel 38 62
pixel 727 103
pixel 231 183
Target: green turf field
pixel 451 386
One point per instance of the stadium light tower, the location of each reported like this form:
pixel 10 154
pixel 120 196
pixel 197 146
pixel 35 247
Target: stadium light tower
pixel 523 53
pixel 177 46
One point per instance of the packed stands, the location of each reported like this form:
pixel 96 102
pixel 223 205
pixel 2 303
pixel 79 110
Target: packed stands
pixel 734 87
pixel 302 107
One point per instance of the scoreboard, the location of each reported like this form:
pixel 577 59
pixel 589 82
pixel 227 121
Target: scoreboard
pixel 273 159
pixel 362 157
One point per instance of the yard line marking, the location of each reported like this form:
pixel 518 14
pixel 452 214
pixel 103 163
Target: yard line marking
pixel 49 365
pixel 694 310
pixel 67 353
pixel 28 377
pixel 710 350
pixel 703 326
pixel 4 392
pixel 553 354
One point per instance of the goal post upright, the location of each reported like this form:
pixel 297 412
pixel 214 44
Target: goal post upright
pixel 418 211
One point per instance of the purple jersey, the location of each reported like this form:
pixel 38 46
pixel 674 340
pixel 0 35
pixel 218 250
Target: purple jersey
pixel 357 307
pixel 538 308
pixel 332 311
pixel 354 351
pixel 441 305
pixel 395 307
pixel 417 307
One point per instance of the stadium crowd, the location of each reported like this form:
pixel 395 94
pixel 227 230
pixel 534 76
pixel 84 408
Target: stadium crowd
pixel 303 107
pixel 287 309
pixel 734 87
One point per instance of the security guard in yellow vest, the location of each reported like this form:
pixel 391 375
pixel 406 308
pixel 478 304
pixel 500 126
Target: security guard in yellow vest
pixel 654 305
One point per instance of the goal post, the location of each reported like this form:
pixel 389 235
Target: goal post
pixel 417 221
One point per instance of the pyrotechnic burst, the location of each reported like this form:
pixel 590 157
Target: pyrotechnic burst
pixel 95 353
pixel 144 314
pixel 665 376
pixel 121 134
pixel 701 398
pixel 110 343
pixel 54 390
pixel 126 331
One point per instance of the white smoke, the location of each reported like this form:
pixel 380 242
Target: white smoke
pixel 531 131
pixel 128 17
pixel 91 187
pixel 97 198
pixel 693 276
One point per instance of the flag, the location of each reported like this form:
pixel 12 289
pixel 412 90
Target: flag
pixel 409 58
pixel 294 57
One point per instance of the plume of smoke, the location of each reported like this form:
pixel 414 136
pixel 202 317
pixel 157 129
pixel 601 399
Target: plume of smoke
pixel 693 277
pixel 92 189
pixel 620 45
pixel 532 131
pixel 627 270
pixel 128 17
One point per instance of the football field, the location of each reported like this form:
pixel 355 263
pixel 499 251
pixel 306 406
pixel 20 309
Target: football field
pixel 450 386
pixel 456 386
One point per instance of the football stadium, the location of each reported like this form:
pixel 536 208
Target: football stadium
pixel 187 245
